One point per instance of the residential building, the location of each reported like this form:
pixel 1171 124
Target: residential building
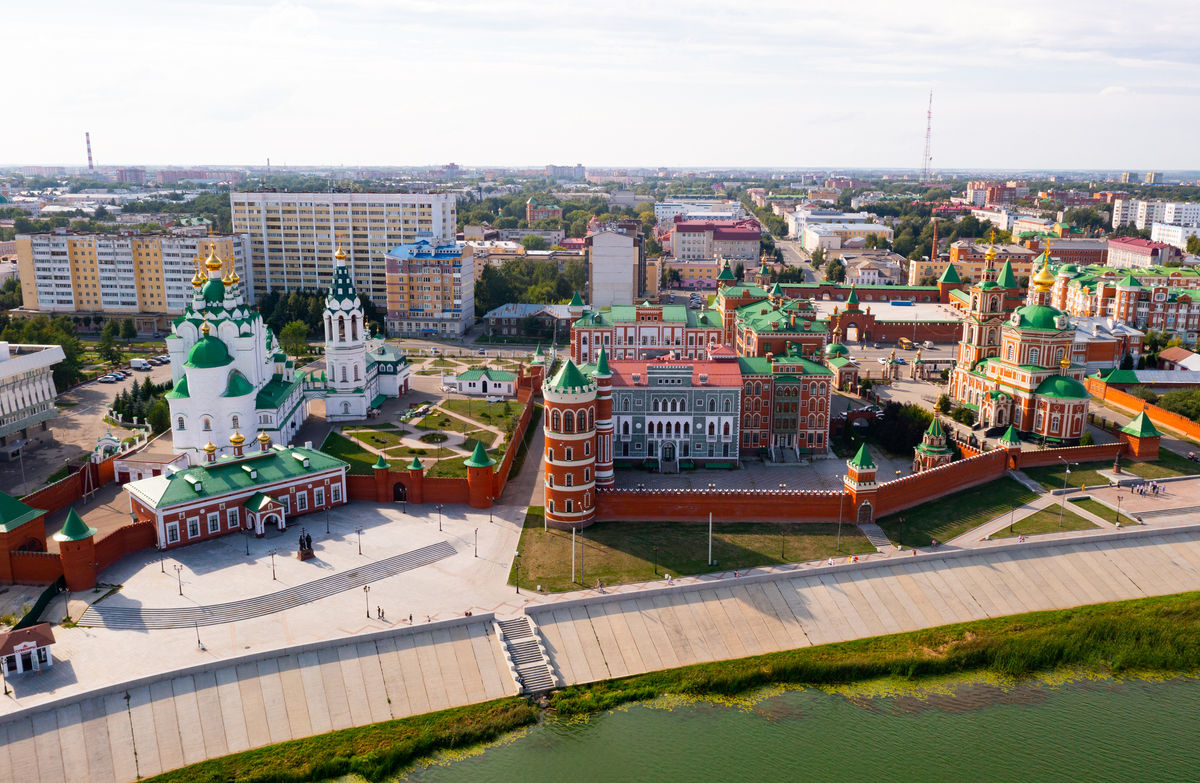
pixel 519 319
pixel 1143 303
pixel 293 236
pixel 696 273
pixel 616 255
pixel 1144 214
pixel 707 239
pixel 146 277
pixel 1002 219
pixel 1080 252
pixel 566 172
pixel 484 382
pixel 874 268
pixel 1153 178
pixel 535 211
pixel 665 212
pixel 1176 236
pixel 835 236
pixel 970 260
pixel 27 391
pixel 1032 224
pixel 1128 177
pixel 1130 252
pixel 553 236
pixel 644 331
pixel 1178 358
pixel 430 289
pixel 1014 369
pixel 491 252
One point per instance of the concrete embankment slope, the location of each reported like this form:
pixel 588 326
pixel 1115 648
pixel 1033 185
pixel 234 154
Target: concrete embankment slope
pixel 206 711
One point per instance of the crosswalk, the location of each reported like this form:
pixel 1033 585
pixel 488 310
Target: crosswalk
pixel 99 615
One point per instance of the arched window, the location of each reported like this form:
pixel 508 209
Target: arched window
pixel 746 420
pixel 354 326
pixel 624 428
pixel 179 423
pixel 812 421
pixel 233 421
pixel 728 405
pixel 654 406
pixel 356 372
pixel 677 428
pixel 343 373
pixel 749 387
pixel 757 421
pixel 757 387
pixel 660 428
pixel 725 430
pixel 625 403
pixel 341 331
pixel 556 422
pixel 674 406
pixel 712 428
pixel 1059 354
pixel 345 407
pixel 591 418
pixel 1033 355
pixel 712 405
pixel 568 422
pixel 1010 352
pixel 206 424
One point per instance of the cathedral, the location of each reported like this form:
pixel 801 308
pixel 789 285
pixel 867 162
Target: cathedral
pixel 232 376
pixel 1014 364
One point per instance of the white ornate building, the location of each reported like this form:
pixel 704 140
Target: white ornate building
pixel 231 375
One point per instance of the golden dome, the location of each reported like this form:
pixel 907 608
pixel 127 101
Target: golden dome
pixel 263 437
pixel 1064 362
pixel 209 448
pixel 212 263
pixel 237 438
pixel 198 278
pixel 204 327
pixel 990 255
pixel 1043 280
pixel 339 254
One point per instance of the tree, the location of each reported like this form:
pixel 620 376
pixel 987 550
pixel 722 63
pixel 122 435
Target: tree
pixel 294 338
pixel 944 404
pixel 1127 362
pixel 963 416
pixel 1087 439
pixel 835 271
pixel 111 329
pixel 1193 244
pixel 10 294
pixel 739 270
pixel 128 330
pixel 817 258
pixel 108 350
pixel 159 416
pixel 533 242
pixel 61 331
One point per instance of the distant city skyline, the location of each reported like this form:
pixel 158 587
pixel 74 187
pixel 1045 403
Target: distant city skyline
pixel 1069 85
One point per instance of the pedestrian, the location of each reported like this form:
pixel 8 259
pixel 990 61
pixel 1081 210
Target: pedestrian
pixel 410 618
pixel 382 614
pixel 377 614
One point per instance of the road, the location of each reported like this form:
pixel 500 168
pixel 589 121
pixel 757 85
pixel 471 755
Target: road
pixel 795 256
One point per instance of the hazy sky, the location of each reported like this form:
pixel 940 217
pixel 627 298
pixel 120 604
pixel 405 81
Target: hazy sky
pixel 1048 83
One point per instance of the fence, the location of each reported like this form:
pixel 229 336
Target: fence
pixel 1160 416
pixel 34 615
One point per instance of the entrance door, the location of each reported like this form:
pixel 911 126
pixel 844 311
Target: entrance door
pixel 399 492
pixel 483 385
pixel 26 662
pixel 668 451
pixel 865 514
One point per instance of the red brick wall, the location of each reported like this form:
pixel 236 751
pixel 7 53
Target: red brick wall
pixel 932 484
pixel 35 568
pixel 1159 416
pixel 745 505
pixel 1103 452
pixel 63 493
pixel 500 477
pixel 123 541
pixel 363 487
pixel 445 490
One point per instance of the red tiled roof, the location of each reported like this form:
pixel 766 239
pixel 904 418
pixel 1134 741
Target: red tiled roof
pixel 719 373
pixel 1137 243
pixel 747 228
pixel 40 633
pixel 1174 354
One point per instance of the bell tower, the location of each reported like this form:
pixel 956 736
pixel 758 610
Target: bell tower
pixel 345 331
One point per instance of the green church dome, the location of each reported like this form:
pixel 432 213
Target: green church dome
pixel 836 349
pixel 213 291
pixel 1038 317
pixel 1063 387
pixel 208 352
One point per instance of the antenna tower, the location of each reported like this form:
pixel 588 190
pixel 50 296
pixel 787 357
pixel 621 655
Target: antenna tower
pixel 87 136
pixel 927 158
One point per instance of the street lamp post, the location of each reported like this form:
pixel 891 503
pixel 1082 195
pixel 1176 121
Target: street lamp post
pixel 272 553
pixel 179 575
pixel 711 487
pixel 327 520
pixel 359 531
pixel 367 599
pixel 841 501
pixel 656 561
pixel 476 542
pixel 246 539
pixel 439 510
pixel 517 571
pixel 1117 519
pixel 782 487
pixel 1066 477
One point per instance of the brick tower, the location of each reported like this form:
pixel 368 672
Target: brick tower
pixel 860 483
pixel 604 422
pixel 932 450
pixel 570 461
pixel 479 477
pixel 77 550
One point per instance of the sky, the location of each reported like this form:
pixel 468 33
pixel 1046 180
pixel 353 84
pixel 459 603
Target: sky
pixel 1048 84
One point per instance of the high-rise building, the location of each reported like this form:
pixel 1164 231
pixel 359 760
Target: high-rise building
pixel 1153 178
pixel 616 264
pixel 430 289
pixel 293 236
pixel 146 277
pixel 1128 177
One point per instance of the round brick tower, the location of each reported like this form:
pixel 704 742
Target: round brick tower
pixel 604 422
pixel 569 427
pixel 77 550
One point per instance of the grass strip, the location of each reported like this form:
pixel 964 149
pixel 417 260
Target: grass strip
pixel 955 514
pixel 1046 520
pixel 1103 511
pixel 1160 634
pixel 1168 464
pixel 375 752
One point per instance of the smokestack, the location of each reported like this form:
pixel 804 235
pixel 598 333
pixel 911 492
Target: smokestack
pixel 87 136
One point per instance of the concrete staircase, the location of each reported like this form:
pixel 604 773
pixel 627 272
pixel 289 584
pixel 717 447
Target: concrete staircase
pixel 875 535
pixel 526 655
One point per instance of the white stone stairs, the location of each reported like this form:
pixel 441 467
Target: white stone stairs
pixel 875 535
pixel 526 655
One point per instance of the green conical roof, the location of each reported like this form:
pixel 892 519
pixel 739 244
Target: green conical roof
pixel 1129 281
pixel 380 464
pixel 539 351
pixel 602 363
pixel 416 465
pixel 568 377
pixel 576 300
pixel 763 270
pixel 1007 279
pixel 776 291
pixel 726 275
pixel 75 529
pixel 1141 427
pixel 480 458
pixel 862 460
pixel 14 513
pixel 935 428
pixel 1010 436
pixel 853 298
pixel 950 275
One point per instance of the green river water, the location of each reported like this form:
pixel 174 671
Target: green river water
pixel 1094 730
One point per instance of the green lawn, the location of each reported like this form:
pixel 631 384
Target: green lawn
pixel 1045 521
pixel 1103 511
pixel 1085 473
pixel 450 467
pixel 622 552
pixel 409 452
pixel 955 514
pixel 493 414
pixel 359 458
pixel 378 439
pixel 440 421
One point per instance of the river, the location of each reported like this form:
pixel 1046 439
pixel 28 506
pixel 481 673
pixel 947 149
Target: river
pixel 1091 730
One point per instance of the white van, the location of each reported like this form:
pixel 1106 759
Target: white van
pixel 139 364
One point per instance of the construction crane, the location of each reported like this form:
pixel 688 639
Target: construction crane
pixel 927 158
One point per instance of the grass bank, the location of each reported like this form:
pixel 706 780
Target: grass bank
pixel 376 752
pixel 1046 520
pixel 955 514
pixel 1159 634
pixel 1168 464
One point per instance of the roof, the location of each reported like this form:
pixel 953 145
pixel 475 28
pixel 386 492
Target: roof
pixel 259 501
pixel 14 513
pixel 862 460
pixel 576 300
pixel 415 464
pixel 602 363
pixel 568 377
pixel 273 394
pixel 935 428
pixel 1175 354
pixel 836 349
pixel 716 373
pixel 231 475
pixel 208 352
pixel 1006 278
pixel 950 275
pixel 1141 427
pixel 1062 387
pixel 238 385
pixel 179 390
pixel 526 310
pixel 480 458
pixel 1121 376
pixel 75 528
pixel 1038 317
pixel 380 464
pixel 41 635
pixel 1010 436
pixel 487 374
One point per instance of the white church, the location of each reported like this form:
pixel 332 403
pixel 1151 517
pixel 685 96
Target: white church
pixel 231 375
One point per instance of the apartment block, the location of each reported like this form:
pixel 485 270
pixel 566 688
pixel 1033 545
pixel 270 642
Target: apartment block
pixel 430 289
pixel 293 236
pixel 147 277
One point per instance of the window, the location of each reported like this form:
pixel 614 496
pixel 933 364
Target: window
pixel 234 421
pixel 232 519
pixel 569 480
pixel 194 527
pixel 206 424
pixel 624 405
pixel 214 522
pixel 568 422
pixel 587 449
pixel 556 422
pixel 335 493
pixel 302 501
pixel 172 532
pixel 587 475
pixel 549 479
pixel 570 506
pixel 551 506
pixel 179 423
pixel 712 405
pixel 1033 355
pixel 570 453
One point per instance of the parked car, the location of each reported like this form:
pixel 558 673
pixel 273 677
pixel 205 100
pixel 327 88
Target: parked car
pixel 139 364
pixel 929 344
pixel 481 352
pixel 107 379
